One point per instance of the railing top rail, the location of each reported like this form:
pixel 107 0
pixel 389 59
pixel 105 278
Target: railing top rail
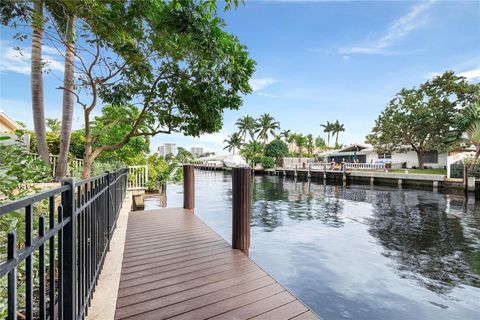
pixel 29 200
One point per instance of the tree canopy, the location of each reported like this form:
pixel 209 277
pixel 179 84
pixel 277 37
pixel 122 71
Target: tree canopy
pixel 276 149
pixel 421 118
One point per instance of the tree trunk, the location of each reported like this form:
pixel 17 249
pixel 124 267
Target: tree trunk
pixel 37 82
pixel 328 140
pixel 420 156
pixel 336 140
pixel 87 156
pixel 68 103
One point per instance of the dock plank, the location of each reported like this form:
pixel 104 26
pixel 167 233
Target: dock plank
pixel 176 267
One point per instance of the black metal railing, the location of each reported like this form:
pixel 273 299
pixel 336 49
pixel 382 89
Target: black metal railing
pixel 51 270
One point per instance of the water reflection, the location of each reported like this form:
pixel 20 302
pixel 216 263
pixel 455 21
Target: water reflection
pixel 358 252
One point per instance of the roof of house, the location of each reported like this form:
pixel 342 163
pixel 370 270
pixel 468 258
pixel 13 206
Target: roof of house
pixel 9 121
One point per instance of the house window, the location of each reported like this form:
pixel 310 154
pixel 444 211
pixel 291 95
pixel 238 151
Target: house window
pixel 385 155
pixel 430 157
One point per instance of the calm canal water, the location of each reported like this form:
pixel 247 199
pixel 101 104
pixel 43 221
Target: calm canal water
pixel 357 252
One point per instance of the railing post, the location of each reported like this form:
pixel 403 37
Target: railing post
pixel 69 253
pixel 188 187
pixel 109 220
pixel 241 203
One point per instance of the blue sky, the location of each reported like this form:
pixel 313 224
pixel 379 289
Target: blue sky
pixel 316 61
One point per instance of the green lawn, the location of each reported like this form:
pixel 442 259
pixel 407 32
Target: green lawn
pixel 420 171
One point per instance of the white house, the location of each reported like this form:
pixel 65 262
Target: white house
pixel 7 128
pixel 365 153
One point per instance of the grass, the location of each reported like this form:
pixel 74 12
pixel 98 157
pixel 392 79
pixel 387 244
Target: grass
pixel 420 171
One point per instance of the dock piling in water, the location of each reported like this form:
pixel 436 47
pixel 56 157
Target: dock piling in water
pixel 188 187
pixel 241 202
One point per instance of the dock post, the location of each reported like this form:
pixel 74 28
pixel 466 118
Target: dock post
pixel 308 170
pixel 295 173
pixel 188 187
pixel 372 181
pixel 241 203
pixel 400 183
pixel 344 174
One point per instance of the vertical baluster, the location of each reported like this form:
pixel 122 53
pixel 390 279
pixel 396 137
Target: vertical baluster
pixel 51 274
pixel 28 263
pixel 12 277
pixel 83 251
pixel 68 254
pixel 41 268
pixel 60 269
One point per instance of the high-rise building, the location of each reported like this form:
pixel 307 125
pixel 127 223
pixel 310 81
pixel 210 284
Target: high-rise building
pixel 196 151
pixel 167 148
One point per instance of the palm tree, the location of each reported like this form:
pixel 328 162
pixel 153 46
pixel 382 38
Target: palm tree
pixel 53 124
pixel 467 129
pixel 266 124
pixel 337 128
pixel 68 102
pixel 285 134
pixel 328 129
pixel 300 141
pixel 251 150
pixel 38 109
pixel 246 125
pixel 310 144
pixel 233 142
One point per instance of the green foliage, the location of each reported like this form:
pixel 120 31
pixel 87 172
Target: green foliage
pixel 161 172
pixel 251 150
pixel 19 172
pixel 266 125
pixel 300 141
pixel 234 142
pixel 99 168
pixel 184 156
pixel 54 125
pixel 77 143
pixel 310 144
pixel 53 142
pixel 267 162
pixel 320 143
pixel 421 118
pixel 247 126
pixel 276 149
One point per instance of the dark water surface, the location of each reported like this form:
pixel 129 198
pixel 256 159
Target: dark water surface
pixel 358 252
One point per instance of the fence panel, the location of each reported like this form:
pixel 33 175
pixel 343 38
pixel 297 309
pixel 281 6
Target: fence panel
pixel 64 255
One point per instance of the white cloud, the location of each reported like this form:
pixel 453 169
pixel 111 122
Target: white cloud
pixel 18 61
pixel 260 83
pixel 398 30
pixel 267 95
pixel 471 74
pixel 345 57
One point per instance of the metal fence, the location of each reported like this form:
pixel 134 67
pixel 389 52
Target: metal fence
pixel 58 264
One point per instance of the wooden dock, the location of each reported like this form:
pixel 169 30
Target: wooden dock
pixel 176 267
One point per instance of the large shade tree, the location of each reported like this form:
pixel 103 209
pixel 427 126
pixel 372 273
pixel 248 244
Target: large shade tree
pixel 420 119
pixel 165 66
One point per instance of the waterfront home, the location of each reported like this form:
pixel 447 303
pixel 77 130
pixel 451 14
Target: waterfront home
pixel 365 153
pixel 7 128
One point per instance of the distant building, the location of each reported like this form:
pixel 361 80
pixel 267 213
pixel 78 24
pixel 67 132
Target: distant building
pixel 196 151
pixel 167 148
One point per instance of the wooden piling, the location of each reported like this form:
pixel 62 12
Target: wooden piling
pixel 188 187
pixel 241 204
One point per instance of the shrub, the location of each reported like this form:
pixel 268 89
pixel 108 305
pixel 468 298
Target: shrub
pixel 267 162
pixel 276 149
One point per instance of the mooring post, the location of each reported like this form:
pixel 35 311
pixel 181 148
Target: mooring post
pixel 241 202
pixel 188 187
